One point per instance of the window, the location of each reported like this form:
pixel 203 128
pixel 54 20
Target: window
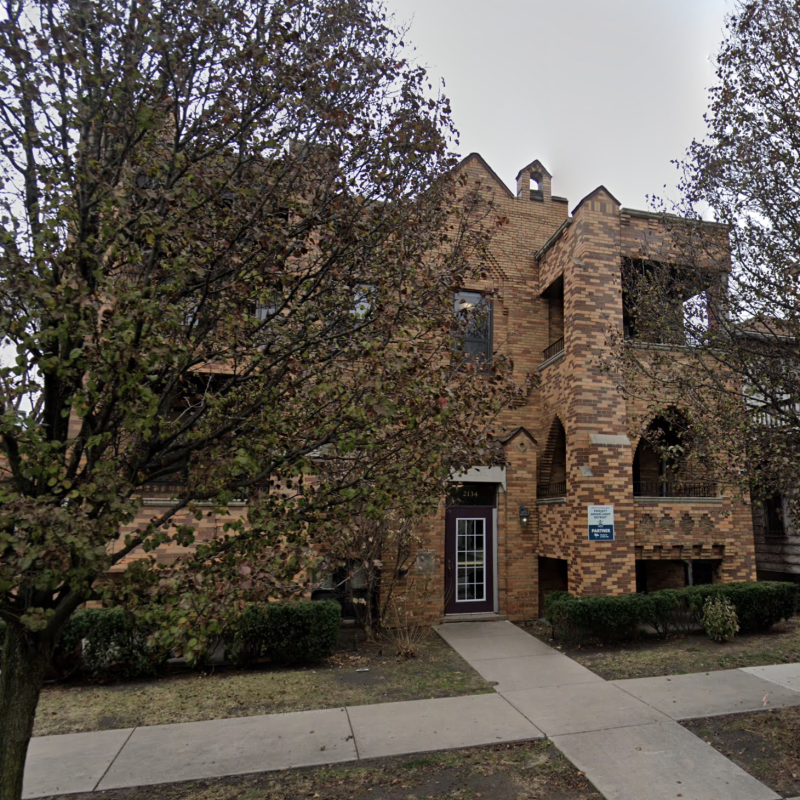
pixel 474 315
pixel 363 298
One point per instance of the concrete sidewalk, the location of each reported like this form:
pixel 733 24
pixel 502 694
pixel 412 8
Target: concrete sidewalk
pixel 85 762
pixel 622 734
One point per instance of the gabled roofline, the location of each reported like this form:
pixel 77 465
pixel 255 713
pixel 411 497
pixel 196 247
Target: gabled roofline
pixel 482 160
pixel 553 239
pixel 539 168
pixel 591 194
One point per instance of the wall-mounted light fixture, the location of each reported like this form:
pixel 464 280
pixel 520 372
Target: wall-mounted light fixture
pixel 524 516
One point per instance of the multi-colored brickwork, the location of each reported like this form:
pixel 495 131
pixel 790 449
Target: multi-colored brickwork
pixel 558 275
pixel 556 286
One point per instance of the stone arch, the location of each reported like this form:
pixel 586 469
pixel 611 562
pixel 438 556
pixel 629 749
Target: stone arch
pixel 553 461
pixel 661 453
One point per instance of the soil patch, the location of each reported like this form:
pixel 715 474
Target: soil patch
pixel 650 657
pixel 370 674
pixel 765 744
pixel 531 771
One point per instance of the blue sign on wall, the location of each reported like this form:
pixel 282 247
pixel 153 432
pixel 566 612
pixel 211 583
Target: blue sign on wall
pixel 601 523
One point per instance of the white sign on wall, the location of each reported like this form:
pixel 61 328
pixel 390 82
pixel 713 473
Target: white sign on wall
pixel 601 523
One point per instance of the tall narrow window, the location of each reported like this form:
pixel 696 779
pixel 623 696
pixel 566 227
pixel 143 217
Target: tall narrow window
pixel 474 315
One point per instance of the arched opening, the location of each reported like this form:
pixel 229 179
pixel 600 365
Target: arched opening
pixel 553 474
pixel 666 463
pixel 536 191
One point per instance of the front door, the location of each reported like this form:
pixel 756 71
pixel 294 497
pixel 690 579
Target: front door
pixel 469 560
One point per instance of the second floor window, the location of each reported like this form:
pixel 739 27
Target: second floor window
pixel 474 315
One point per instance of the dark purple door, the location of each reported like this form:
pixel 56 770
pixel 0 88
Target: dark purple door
pixel 469 560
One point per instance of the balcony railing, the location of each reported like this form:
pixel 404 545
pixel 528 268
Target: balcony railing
pixel 554 349
pixel 545 491
pixel 782 417
pixel 173 488
pixel 674 489
pixel 162 487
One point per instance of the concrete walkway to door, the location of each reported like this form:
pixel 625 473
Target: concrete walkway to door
pixel 623 735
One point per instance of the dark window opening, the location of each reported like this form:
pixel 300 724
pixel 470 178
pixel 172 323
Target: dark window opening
pixel 554 296
pixel 664 303
pixel 474 317
pixel 553 577
pixel 553 475
pixel 702 573
pixel 661 462
pixel 773 516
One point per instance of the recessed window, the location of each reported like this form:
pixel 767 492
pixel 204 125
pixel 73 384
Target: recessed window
pixel 363 298
pixel 474 315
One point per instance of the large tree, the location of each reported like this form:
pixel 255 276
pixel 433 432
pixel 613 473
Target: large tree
pixel 230 236
pixel 731 320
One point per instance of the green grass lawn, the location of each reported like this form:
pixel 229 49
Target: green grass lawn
pixel 371 675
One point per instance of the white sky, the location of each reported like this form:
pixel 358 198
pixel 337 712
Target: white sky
pixel 600 91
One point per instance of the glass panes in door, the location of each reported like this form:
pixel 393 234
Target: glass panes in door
pixel 470 560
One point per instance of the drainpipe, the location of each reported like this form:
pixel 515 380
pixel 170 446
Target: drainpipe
pixel 689 575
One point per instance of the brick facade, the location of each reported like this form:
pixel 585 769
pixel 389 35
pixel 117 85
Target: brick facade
pixel 553 275
pixel 558 274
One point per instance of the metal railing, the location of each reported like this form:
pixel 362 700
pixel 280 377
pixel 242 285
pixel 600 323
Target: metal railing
pixel 162 487
pixel 554 349
pixel 674 489
pixel 544 491
pixel 781 417
pixel 174 488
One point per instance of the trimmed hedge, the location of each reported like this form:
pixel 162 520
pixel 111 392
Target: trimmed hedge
pixel 298 632
pixel 107 643
pixel 758 605
pixel 246 639
pixel 612 619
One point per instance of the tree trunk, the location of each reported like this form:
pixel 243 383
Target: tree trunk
pixel 22 672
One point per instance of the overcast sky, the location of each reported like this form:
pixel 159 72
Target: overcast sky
pixel 600 91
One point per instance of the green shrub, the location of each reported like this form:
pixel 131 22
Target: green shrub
pixel 304 631
pixel 298 632
pixel 246 640
pixel 668 613
pixel 107 643
pixel 758 605
pixel 613 619
pixel 719 619
pixel 603 619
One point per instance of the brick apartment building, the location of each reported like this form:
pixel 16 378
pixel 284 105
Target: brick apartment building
pixel 509 535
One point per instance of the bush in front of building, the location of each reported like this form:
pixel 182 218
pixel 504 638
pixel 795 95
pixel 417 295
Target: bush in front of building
pixel 604 619
pixel 107 644
pixel 247 639
pixel 719 619
pixel 303 631
pixel 758 607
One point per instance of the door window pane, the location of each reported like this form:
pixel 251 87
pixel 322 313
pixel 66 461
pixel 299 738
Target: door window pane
pixel 470 560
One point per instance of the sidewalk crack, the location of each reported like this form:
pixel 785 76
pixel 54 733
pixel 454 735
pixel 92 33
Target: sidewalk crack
pixel 352 732
pixel 116 756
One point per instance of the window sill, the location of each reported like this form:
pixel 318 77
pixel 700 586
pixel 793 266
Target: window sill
pixel 551 501
pixel 167 501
